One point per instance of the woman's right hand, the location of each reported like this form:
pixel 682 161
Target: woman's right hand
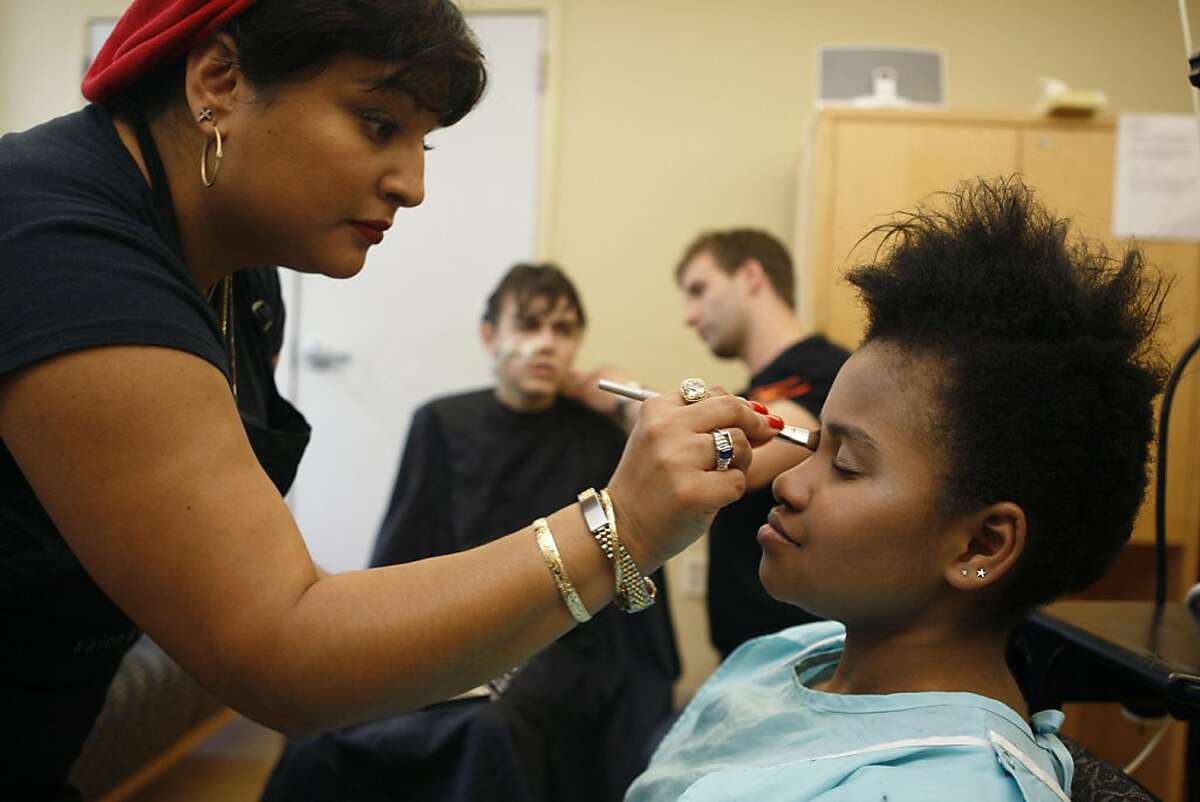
pixel 666 489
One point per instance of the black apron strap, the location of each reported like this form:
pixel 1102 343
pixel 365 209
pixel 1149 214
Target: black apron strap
pixel 164 207
pixel 278 433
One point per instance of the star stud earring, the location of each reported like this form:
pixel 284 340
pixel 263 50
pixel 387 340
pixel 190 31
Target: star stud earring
pixel 981 573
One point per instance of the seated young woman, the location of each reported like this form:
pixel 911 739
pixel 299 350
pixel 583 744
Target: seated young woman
pixel 983 453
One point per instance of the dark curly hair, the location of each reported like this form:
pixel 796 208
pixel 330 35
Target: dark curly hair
pixel 1045 368
pixel 439 63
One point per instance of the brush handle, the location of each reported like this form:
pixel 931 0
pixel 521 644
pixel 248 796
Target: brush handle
pixel 806 438
pixel 626 390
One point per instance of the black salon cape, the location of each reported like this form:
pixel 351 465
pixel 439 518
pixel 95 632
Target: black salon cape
pixel 577 721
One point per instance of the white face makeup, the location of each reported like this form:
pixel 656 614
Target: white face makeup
pixel 512 347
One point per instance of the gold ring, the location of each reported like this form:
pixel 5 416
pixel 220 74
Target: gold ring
pixel 693 390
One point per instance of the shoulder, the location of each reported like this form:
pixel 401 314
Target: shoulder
pixel 71 165
pixel 70 193
pixel 447 411
pixel 823 347
pixel 802 373
pixel 83 262
pixel 457 403
pixel 816 354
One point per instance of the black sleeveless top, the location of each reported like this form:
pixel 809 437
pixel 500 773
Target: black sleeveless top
pixel 89 256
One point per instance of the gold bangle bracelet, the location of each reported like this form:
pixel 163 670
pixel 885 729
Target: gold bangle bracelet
pixel 549 549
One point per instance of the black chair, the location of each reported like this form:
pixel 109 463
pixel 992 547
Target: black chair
pixel 1146 658
pixel 1097 780
pixel 151 708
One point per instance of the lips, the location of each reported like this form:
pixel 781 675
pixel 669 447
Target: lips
pixel 775 522
pixel 371 230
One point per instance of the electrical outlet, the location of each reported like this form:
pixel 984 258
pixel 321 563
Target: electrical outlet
pixel 695 576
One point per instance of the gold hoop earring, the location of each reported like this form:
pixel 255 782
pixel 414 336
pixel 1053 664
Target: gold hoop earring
pixel 209 181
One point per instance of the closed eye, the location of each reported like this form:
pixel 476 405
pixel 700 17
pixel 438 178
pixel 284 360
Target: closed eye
pixel 844 471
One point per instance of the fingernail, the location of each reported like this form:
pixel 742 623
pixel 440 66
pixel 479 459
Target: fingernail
pixel 759 408
pixel 775 421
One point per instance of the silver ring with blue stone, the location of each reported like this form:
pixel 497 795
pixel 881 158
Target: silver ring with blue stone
pixel 723 442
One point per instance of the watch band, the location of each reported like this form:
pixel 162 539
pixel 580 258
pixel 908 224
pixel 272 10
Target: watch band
pixel 635 592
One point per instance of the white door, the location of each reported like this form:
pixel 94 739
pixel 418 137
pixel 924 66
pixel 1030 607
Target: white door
pixel 361 355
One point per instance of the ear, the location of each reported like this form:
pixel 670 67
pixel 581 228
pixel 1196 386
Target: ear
pixel 993 542
pixel 750 273
pixel 487 335
pixel 214 80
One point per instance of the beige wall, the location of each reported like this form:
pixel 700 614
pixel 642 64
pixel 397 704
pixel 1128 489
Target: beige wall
pixel 680 114
pixel 673 115
pixel 42 48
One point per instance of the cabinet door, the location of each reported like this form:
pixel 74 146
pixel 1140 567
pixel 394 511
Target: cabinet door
pixel 1071 168
pixel 888 165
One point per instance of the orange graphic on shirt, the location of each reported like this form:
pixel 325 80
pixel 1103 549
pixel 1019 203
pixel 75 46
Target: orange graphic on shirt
pixel 791 387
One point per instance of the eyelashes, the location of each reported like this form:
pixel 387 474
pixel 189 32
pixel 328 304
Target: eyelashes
pixel 844 471
pixel 383 129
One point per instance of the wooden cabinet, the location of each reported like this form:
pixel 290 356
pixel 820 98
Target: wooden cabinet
pixel 861 166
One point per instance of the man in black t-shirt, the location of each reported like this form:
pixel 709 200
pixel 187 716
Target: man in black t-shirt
pixel 739 295
pixel 572 724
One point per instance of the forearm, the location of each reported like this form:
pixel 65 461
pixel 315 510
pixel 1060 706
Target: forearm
pixel 363 644
pixel 161 500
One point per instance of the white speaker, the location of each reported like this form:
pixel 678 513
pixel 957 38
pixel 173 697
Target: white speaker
pixel 879 76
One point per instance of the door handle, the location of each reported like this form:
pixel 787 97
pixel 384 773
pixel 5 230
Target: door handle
pixel 320 358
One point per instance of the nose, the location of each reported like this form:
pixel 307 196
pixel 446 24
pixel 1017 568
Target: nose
pixel 691 315
pixel 545 339
pixel 404 182
pixel 793 487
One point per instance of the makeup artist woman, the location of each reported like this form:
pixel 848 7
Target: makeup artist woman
pixel 134 497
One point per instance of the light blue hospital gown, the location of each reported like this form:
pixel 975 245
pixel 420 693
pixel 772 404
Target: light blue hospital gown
pixel 755 731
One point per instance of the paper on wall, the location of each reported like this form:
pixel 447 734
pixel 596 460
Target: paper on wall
pixel 1156 192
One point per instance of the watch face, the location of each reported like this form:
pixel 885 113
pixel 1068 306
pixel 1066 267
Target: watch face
pixel 593 512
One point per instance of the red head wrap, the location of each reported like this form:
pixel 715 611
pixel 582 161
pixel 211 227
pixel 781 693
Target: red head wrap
pixel 151 33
